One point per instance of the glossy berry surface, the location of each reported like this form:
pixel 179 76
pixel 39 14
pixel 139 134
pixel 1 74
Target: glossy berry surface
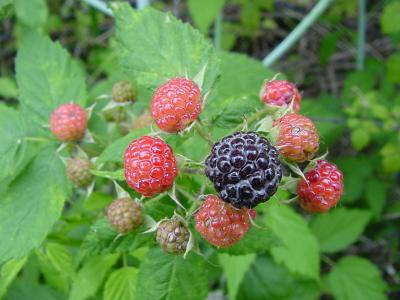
pixel 150 166
pixel 323 188
pixel 244 168
pixel 221 224
pixel 173 236
pixel 176 104
pixel 298 138
pixel 68 122
pixel 78 171
pixel 279 93
pixel 124 91
pixel 125 215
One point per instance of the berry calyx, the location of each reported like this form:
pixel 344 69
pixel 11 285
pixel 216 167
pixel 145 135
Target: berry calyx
pixel 124 91
pixel 322 188
pixel 115 114
pixel 244 168
pixel 150 166
pixel 173 236
pixel 221 224
pixel 176 104
pixel 78 171
pixel 298 138
pixel 68 122
pixel 125 215
pixel 280 93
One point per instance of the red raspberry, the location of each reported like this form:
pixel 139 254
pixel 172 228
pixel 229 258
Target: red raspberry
pixel 68 122
pixel 323 189
pixel 150 166
pixel 279 93
pixel 176 104
pixel 298 138
pixel 222 224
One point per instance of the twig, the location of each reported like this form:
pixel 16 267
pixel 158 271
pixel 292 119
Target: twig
pixel 100 5
pixel 362 28
pixel 297 33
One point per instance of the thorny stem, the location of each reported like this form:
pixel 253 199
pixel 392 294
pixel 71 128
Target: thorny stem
pixel 204 134
pixel 252 118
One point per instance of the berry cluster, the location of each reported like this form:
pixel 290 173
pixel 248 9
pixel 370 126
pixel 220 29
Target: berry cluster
pixel 244 167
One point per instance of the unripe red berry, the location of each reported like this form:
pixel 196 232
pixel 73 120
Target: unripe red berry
pixel 279 93
pixel 298 138
pixel 222 224
pixel 322 188
pixel 150 166
pixel 68 122
pixel 176 104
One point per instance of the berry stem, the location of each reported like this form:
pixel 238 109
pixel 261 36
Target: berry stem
pixel 36 139
pixel 253 118
pixel 192 171
pixel 204 134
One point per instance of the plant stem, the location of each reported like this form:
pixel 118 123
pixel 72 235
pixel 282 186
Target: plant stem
pixel 36 139
pixel 297 33
pixel 253 118
pixel 142 4
pixel 327 260
pixel 361 34
pixel 124 259
pixel 100 5
pixel 204 134
pixel 217 31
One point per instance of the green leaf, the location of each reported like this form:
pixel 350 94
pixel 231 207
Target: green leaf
pixel 257 240
pixel 24 9
pixel 114 175
pixel 267 279
pixel 8 272
pixel 375 194
pixel 121 284
pixel 103 239
pixel 360 138
pixel 355 171
pixel 91 276
pixel 391 159
pixel 115 151
pixel 8 88
pixel 324 111
pixel 356 278
pixel 169 277
pixel 229 87
pixel 32 290
pixel 235 267
pixel 61 259
pixel 15 151
pixel 47 77
pixel 339 228
pixel 393 66
pixel 32 204
pixel 155 46
pixel 389 16
pixel 204 12
pixel 299 251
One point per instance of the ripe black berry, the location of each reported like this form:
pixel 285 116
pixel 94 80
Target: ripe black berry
pixel 244 168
